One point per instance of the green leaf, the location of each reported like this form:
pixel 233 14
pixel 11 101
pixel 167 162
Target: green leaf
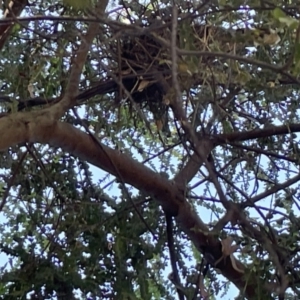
pixel 288 21
pixel 281 16
pixel 227 126
pixel 278 13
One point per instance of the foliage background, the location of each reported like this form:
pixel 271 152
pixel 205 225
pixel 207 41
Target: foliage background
pixel 201 177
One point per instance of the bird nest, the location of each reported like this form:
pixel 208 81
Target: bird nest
pixel 147 57
pixel 143 62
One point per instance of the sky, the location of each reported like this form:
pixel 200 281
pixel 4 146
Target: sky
pixel 206 215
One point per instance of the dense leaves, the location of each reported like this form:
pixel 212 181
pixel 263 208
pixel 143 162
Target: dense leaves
pixel 208 83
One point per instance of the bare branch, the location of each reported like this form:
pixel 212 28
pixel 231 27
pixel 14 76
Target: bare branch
pixel 272 190
pixel 256 133
pixel 38 127
pixel 80 58
pixel 191 168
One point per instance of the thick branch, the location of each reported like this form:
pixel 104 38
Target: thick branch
pixel 167 193
pixel 21 128
pixel 256 133
pixel 69 98
pixel 188 172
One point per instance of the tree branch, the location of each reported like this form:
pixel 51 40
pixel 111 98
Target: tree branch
pixel 69 98
pixel 38 127
pixel 256 133
pixel 191 168
pixel 15 7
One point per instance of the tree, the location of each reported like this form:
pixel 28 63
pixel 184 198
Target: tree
pixel 190 112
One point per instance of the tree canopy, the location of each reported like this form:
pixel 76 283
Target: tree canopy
pixel 149 150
